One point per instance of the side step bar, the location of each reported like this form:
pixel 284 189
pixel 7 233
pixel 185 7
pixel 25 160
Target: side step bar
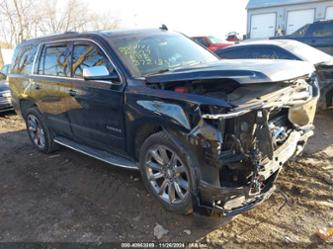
pixel 98 154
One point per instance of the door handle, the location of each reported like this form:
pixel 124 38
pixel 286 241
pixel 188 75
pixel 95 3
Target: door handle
pixel 72 93
pixel 37 87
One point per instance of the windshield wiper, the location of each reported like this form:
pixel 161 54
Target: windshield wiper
pixel 158 72
pixel 165 70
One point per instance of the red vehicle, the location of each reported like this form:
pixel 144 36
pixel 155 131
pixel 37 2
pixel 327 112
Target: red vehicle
pixel 233 37
pixel 211 42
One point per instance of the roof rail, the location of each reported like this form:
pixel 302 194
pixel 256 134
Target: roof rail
pixel 164 27
pixel 70 32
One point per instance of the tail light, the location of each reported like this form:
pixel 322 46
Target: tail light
pixel 182 90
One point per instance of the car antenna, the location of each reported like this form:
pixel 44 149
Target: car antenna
pixel 164 27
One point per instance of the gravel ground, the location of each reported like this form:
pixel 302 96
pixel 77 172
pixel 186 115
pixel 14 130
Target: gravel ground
pixel 69 197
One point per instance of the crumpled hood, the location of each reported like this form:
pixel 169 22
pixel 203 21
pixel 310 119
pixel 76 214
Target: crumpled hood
pixel 242 71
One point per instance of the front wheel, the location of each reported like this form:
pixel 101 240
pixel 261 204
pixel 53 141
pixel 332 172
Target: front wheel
pixel 38 132
pixel 166 173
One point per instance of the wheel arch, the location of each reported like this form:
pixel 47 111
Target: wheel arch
pixel 25 104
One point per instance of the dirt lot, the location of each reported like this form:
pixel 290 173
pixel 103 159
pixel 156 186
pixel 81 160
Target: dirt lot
pixel 67 196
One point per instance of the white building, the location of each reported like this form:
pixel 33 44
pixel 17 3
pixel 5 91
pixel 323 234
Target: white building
pixel 267 18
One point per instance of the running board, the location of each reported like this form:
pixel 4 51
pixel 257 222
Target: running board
pixel 97 154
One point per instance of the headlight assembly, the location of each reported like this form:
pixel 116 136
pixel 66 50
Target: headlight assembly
pixel 6 94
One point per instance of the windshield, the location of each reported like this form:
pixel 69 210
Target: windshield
pixel 146 54
pixel 215 40
pixel 301 31
pixel 306 52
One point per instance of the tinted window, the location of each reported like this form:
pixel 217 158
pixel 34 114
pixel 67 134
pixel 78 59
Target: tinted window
pixel 263 52
pixel 233 53
pixel 87 55
pixel 269 52
pixel 321 30
pixel 24 60
pixel 256 52
pixel 285 55
pixel 55 61
pixel 202 40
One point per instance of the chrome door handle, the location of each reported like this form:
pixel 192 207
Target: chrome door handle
pixel 37 87
pixel 72 93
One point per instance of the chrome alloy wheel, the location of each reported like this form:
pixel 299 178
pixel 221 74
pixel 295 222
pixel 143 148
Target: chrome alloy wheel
pixel 36 131
pixel 167 174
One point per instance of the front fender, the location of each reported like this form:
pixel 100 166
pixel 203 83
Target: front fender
pixel 181 117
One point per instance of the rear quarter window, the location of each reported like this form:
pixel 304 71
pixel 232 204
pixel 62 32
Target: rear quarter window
pixel 23 60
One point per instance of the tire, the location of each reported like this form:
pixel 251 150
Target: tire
pixel 166 171
pixel 38 132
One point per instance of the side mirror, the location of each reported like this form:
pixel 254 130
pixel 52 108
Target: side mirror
pixel 99 73
pixel 2 76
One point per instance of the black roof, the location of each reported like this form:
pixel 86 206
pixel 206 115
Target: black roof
pixel 92 34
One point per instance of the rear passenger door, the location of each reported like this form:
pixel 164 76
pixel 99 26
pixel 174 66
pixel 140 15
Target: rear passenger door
pixel 98 121
pixel 50 85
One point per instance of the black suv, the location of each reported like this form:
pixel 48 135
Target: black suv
pixel 207 135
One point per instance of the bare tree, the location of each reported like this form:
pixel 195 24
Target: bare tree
pixel 71 17
pixel 25 19
pixel 103 22
pixel 19 19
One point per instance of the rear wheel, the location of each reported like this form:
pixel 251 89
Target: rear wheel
pixel 38 132
pixel 166 173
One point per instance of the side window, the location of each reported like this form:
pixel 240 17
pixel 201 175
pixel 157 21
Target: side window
pixel 256 52
pixel 24 60
pixel 322 30
pixel 233 53
pixel 87 55
pixel 54 61
pixel 284 55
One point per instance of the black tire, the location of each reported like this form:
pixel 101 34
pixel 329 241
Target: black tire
pixel 162 140
pixel 49 145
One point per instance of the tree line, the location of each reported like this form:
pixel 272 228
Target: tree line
pixel 26 19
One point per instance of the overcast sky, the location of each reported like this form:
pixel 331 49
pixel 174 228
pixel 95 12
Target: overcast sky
pixel 192 17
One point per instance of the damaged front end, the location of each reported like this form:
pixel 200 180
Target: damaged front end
pixel 253 117
pixel 268 125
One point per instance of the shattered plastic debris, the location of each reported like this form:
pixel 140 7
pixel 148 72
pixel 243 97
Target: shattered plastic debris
pixel 160 231
pixel 325 234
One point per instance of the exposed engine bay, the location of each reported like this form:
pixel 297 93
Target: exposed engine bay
pixel 266 126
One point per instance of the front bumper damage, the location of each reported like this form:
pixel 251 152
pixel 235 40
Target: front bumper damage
pixel 248 163
pixel 240 199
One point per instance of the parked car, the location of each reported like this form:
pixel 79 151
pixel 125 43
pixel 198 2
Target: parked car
pixel 233 37
pixel 5 94
pixel 5 69
pixel 211 42
pixel 318 35
pixel 288 50
pixel 207 135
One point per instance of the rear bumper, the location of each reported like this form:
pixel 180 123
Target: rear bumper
pixel 230 201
